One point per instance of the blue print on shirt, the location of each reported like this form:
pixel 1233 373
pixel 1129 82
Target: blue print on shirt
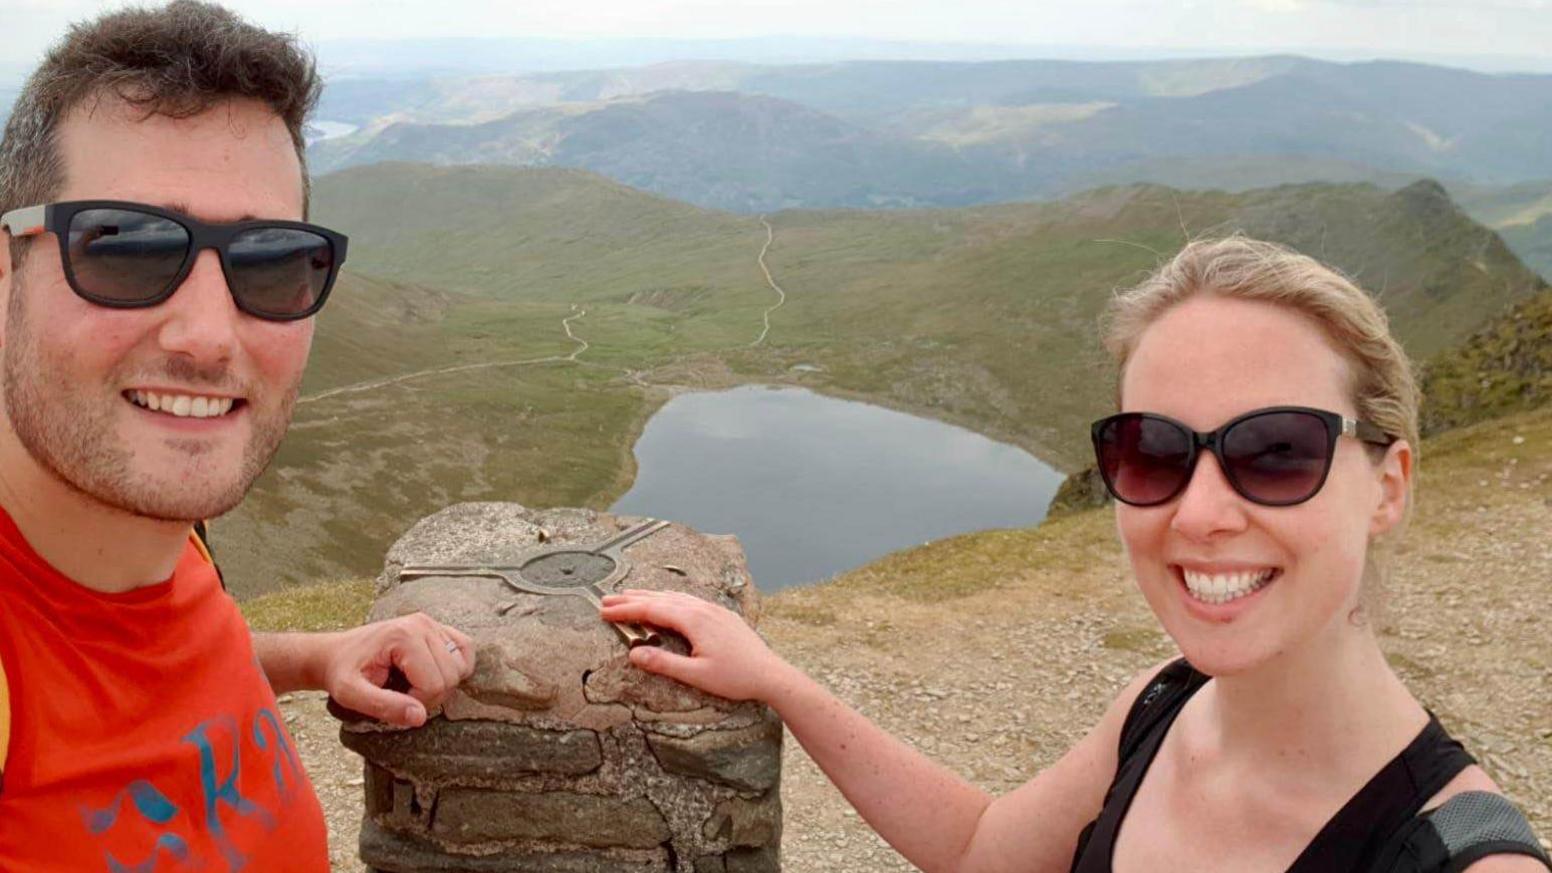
pixel 217 773
pixel 284 752
pixel 168 843
pixel 218 791
pixel 149 802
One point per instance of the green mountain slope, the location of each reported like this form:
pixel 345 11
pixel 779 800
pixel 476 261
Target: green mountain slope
pixel 1533 243
pixel 1502 368
pixel 1522 215
pixel 984 317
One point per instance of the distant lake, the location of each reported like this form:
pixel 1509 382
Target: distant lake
pixel 318 131
pixel 813 486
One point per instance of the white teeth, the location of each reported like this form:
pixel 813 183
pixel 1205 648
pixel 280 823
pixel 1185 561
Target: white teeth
pixel 1224 587
pixel 183 405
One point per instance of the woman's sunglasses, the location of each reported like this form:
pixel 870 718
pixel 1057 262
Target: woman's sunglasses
pixel 131 255
pixel 1277 456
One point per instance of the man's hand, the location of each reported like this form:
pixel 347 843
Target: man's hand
pixel 353 665
pixel 433 656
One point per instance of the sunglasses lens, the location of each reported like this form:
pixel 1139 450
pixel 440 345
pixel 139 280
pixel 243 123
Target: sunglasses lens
pixel 280 272
pixel 1278 457
pixel 1143 460
pixel 123 257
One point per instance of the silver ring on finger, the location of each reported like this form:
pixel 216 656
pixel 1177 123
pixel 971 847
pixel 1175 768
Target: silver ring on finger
pixel 451 646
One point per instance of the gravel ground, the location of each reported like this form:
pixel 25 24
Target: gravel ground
pixel 998 684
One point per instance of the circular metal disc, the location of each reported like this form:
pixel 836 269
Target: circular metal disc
pixel 566 569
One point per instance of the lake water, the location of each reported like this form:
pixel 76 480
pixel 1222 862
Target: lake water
pixel 318 131
pixel 812 485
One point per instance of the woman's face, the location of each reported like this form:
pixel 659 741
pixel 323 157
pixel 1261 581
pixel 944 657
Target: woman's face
pixel 1203 362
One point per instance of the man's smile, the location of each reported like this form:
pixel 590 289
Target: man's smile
pixel 183 405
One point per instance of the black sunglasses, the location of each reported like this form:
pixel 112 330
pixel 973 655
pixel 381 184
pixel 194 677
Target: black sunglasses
pixel 1278 456
pixel 131 255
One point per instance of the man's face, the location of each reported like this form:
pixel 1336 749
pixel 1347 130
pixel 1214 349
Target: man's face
pixel 77 376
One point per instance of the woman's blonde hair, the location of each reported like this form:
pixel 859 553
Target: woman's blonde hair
pixel 1383 390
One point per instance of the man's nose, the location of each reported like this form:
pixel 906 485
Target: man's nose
pixel 1209 505
pixel 201 318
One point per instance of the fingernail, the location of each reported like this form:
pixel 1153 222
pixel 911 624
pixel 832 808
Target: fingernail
pixel 415 714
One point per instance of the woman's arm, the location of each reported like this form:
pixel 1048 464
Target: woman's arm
pixel 937 820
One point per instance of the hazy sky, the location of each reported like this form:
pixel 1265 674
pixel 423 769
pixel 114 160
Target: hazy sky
pixel 1509 30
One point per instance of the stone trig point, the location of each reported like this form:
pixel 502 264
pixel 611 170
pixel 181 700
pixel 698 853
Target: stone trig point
pixel 558 756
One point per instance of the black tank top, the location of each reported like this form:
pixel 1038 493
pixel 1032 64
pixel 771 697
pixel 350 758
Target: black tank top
pixel 1355 839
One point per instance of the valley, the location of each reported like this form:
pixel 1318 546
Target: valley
pixel 465 377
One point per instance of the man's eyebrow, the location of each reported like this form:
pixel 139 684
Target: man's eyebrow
pixel 183 208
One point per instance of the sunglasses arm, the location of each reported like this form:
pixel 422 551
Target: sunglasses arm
pixel 1365 431
pixel 28 221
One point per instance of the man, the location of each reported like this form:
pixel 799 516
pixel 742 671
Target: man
pixel 152 352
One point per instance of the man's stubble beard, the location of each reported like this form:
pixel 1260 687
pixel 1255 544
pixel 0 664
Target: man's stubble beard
pixel 71 434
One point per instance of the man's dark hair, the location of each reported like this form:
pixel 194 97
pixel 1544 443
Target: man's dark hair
pixel 177 60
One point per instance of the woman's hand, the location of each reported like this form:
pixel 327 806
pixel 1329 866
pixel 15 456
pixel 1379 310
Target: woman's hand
pixel 727 658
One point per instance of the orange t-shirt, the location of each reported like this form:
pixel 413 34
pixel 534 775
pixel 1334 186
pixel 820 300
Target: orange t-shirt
pixel 144 736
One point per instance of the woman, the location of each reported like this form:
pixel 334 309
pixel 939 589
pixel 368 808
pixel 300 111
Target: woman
pixel 1282 740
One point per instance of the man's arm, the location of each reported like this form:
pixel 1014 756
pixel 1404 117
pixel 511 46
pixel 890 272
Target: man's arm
pixel 353 665
pixel 292 661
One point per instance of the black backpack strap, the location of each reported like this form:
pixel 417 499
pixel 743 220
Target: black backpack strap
pixel 1168 691
pixel 1474 824
pixel 1467 828
pixel 202 533
pixel 1146 723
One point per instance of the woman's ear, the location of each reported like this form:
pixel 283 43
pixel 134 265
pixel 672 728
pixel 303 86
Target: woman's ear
pixel 1395 479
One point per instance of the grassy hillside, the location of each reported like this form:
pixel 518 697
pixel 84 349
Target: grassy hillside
pixel 1505 367
pixel 984 317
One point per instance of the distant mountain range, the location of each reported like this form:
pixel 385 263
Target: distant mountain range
pixel 750 137
pixel 864 133
pixel 507 55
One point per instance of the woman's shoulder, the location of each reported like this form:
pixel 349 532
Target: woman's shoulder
pixel 1472 778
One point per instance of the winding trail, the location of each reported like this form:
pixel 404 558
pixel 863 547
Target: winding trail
pixel 770 236
pixel 577 312
pixel 582 346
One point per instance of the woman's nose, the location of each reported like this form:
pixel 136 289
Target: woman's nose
pixel 1209 505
